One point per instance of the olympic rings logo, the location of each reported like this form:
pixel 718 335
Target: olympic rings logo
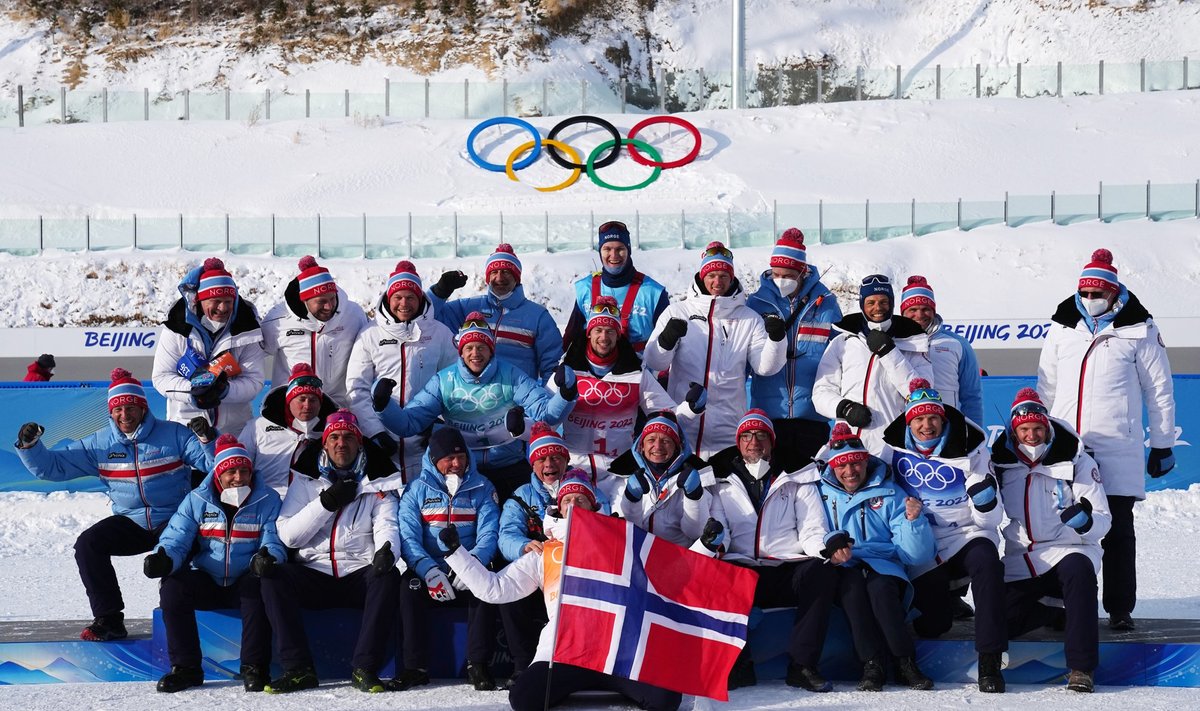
pixel 928 475
pixel 601 156
pixel 480 399
pixel 596 392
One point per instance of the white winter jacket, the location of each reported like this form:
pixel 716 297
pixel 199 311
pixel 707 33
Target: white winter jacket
pixel 1099 383
pixel 665 510
pixel 293 336
pixel 849 370
pixel 723 339
pixel 411 353
pixel 275 445
pixel 516 581
pixel 955 371
pixel 1035 538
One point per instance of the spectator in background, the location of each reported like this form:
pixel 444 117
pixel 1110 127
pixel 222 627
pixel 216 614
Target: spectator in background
pixel 640 299
pixel 316 324
pixel 956 373
pixel 40 370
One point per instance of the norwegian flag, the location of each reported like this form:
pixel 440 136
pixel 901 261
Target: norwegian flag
pixel 637 606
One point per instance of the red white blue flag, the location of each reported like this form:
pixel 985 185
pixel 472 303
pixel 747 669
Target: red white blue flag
pixel 637 606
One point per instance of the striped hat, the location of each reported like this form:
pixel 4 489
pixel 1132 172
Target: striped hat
pixel 303 381
pixel 575 482
pixel 125 390
pixel 662 423
pixel 917 292
pixel 756 419
pixel 230 454
pixel 503 258
pixel 544 441
pixel 845 447
pixel 922 400
pixel 314 279
pixel 475 329
pixel 789 251
pixel 605 312
pixel 339 421
pixel 716 258
pixel 215 282
pixel 1028 407
pixel 405 277
pixel 1100 272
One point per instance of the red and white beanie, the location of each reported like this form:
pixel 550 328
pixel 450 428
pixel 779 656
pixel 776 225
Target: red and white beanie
pixel 605 312
pixel 475 329
pixel 503 258
pixel 1100 272
pixel 716 258
pixel 303 381
pixel 125 390
pixel 228 454
pixel 341 421
pixel 405 278
pixel 845 447
pixel 922 400
pixel 314 279
pixel 215 282
pixel 658 423
pixel 756 419
pixel 544 441
pixel 575 482
pixel 1030 407
pixel 917 292
pixel 789 251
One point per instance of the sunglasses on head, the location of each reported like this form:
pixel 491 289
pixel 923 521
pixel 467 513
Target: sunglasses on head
pixel 1029 408
pixel 875 279
pixel 852 443
pixel 613 225
pixel 476 323
pixel 311 381
pixel 924 394
pixel 605 309
pixel 1092 294
pixel 713 251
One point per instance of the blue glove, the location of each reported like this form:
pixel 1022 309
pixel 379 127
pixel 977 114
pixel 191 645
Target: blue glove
pixel 1162 461
pixel 1078 515
pixel 697 397
pixel 983 494
pixel 564 380
pixel 381 393
pixel 636 486
pixel 190 363
pixel 713 536
pixel 691 485
pixel 835 541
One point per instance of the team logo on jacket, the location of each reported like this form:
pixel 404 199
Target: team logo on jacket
pixel 927 475
pixel 431 500
pixel 295 332
pixel 388 341
pixel 210 515
pixel 274 428
pixel 876 503
pixel 1096 475
pixel 117 455
pixel 597 392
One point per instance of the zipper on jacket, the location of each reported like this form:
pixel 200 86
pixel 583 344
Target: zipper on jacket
pixel 137 474
pixel 707 364
pixel 1029 526
pixel 1079 396
pixel 867 386
pixel 403 383
pixel 228 542
pixel 758 526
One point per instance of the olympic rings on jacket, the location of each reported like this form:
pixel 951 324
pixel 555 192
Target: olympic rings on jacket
pixel 657 163
pixel 574 121
pixel 550 144
pixel 496 121
pixel 631 142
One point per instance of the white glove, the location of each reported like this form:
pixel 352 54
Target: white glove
pixel 458 583
pixel 438 585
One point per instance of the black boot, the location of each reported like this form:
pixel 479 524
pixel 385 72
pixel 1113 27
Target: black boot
pixel 910 675
pixel 407 679
pixel 293 680
pixel 742 673
pixel 1121 622
pixel 364 680
pixel 105 628
pixel 803 676
pixel 180 678
pixel 254 677
pixel 872 676
pixel 990 680
pixel 1080 681
pixel 480 676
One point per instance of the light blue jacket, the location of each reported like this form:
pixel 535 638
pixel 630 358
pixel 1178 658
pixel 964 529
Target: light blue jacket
pixel 648 303
pixel 514 520
pixel 525 334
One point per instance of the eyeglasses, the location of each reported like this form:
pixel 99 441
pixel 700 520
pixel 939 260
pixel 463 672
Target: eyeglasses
pixel 760 435
pixel 851 443
pixel 1029 408
pixel 1093 295
pixel 613 225
pixel 713 251
pixel 924 394
pixel 875 279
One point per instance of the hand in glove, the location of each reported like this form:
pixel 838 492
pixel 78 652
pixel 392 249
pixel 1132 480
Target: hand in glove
pixel 636 486
pixel 29 434
pixel 880 343
pixel 381 393
pixel 1161 462
pixel 564 380
pixel 384 559
pixel 449 538
pixel 438 585
pixel 697 397
pixel 983 494
pixel 385 442
pixel 675 329
pixel 447 283
pixel 514 421
pixel 457 582
pixel 203 430
pixel 713 536
pixel 835 541
pixel 208 390
pixel 158 564
pixel 1078 515
pixel 691 485
pixel 339 493
pixel 263 563
pixel 776 327
pixel 855 414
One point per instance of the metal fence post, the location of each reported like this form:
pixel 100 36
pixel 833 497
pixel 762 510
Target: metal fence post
pixel 978 82
pixel 273 233
pixel 623 91
pixel 1101 77
pixel 1143 74
pixel 546 225
pixel 820 84
pixel 1018 80
pixel 387 108
pixel 267 103
pixel 21 106
pixel 346 99
pixel 181 230
pixel 583 96
pixel 1185 68
pixel 960 213
pixel 912 218
pixel 774 218
pixel 307 103
pixel 426 98
pixel 1100 203
pixel 858 82
pixel 104 107
pixel 501 226
pixel 1058 81
pixel 62 104
pixel 867 220
pixel 456 234
pixel 545 107
pixel 662 90
pixel 146 104
pixel 898 93
pixel 87 233
pixel 318 235
pixel 1147 199
pixel 504 97
pixel 637 224
pixel 1052 210
pixel 1006 208
pixel 937 73
pixel 591 229
pixel 820 221
pixel 410 251
pixel 42 234
pixel 227 233
pixel 135 230
pixel 187 104
pixel 729 226
pixel 226 103
pixel 682 230
pixel 364 231
pixel 1197 199
pixel 466 98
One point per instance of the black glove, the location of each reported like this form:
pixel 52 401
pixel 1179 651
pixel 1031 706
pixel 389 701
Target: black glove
pixel 855 414
pixel 983 494
pixel 263 563
pixel 384 559
pixel 447 283
pixel 834 542
pixel 637 486
pixel 209 396
pixel 204 431
pixel 564 380
pixel 1161 462
pixel 449 538
pixel 29 434
pixel 514 421
pixel 339 493
pixel 880 343
pixel 696 397
pixel 1078 515
pixel 713 535
pixel 158 564
pixel 675 329
pixel 776 327
pixel 385 442
pixel 381 393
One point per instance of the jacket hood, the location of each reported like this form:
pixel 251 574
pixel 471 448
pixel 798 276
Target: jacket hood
pixel 729 461
pixel 487 376
pixel 183 317
pixel 1065 445
pixel 1129 313
pixel 376 463
pixel 274 408
pixel 962 435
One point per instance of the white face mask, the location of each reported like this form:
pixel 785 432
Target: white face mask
pixel 235 495
pixel 211 325
pixel 505 297
pixel 786 285
pixel 1095 307
pixel 1033 451
pixel 758 469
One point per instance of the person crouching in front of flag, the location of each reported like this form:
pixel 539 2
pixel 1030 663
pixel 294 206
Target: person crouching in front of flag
pixel 211 555
pixel 527 575
pixel 450 491
pixel 1058 514
pixel 775 523
pixel 941 457
pixel 664 483
pixel 877 530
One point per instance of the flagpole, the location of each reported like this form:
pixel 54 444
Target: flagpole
pixel 557 609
